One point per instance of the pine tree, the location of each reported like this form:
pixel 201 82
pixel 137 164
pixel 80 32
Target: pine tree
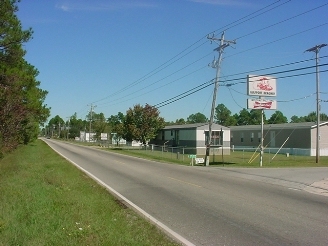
pixel 21 100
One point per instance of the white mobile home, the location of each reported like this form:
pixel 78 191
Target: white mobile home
pixel 194 136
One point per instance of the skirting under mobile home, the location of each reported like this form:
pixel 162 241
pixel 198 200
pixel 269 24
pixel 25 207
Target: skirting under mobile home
pixel 292 138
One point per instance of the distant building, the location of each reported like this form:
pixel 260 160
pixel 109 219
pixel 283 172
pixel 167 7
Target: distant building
pixel 292 138
pixel 194 137
pixel 87 137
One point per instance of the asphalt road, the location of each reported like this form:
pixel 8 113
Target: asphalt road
pixel 216 206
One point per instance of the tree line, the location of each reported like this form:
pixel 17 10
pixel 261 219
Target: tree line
pixel 22 108
pixel 142 123
pixel 223 116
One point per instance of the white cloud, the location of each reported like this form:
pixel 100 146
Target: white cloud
pixel 103 5
pixel 63 7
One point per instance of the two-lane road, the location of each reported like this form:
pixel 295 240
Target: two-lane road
pixel 210 206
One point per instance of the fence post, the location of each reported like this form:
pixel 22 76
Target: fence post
pixel 243 155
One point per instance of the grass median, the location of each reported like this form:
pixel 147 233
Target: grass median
pixel 47 201
pixel 234 159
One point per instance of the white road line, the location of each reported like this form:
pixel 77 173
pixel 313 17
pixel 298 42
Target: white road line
pixel 294 189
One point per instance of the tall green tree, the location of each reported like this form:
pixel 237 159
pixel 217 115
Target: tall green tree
pixel 277 118
pixel 197 118
pixel 255 117
pixel 116 124
pixel 76 125
pixel 296 119
pixel 99 123
pixel 223 116
pixel 142 123
pixel 22 107
pixel 180 121
pixel 311 117
pixel 55 126
pixel 244 117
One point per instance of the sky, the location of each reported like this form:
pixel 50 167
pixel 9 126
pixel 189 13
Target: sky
pixel 110 55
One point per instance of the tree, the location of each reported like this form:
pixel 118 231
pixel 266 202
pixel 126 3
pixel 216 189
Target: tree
pixel 311 117
pixel 323 117
pixel 223 116
pixel 76 125
pixel 116 123
pixel 232 120
pixel 244 118
pixel 142 123
pixel 99 124
pixel 255 115
pixel 180 121
pixel 296 119
pixel 197 118
pixel 55 126
pixel 277 118
pixel 21 100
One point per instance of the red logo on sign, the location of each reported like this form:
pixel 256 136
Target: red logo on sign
pixel 259 104
pixel 264 84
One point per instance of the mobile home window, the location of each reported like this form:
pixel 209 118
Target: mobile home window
pixel 259 136
pixel 252 136
pixel 242 137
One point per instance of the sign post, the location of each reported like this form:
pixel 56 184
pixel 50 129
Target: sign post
pixel 261 86
pixel 192 159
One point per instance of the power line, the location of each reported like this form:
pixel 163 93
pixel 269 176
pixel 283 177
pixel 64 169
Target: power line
pixel 277 40
pixel 280 22
pixel 248 72
pixel 176 57
pixel 228 57
pixel 232 80
pixel 226 27
pixel 146 87
pixel 204 85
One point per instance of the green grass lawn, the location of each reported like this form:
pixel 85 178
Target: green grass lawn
pixel 235 159
pixel 44 200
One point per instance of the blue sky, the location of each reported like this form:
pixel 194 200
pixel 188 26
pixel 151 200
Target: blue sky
pixel 118 53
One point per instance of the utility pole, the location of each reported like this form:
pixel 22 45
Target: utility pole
pixel 69 118
pixel 316 49
pixel 217 65
pixel 59 130
pixel 262 136
pixel 91 111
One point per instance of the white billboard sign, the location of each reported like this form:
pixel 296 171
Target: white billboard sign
pixel 264 86
pixel 103 136
pixel 261 104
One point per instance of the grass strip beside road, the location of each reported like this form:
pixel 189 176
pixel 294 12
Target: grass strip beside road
pixel 47 201
pixel 234 159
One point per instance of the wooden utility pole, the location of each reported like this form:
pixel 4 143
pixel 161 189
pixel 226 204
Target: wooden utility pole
pixel 316 49
pixel 215 64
